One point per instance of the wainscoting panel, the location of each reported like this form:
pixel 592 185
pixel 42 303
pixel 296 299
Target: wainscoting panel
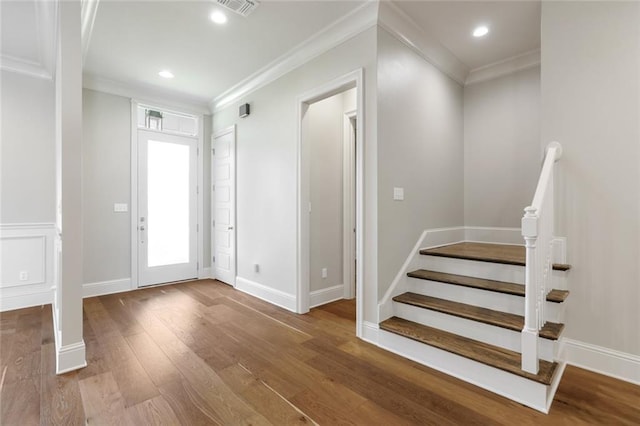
pixel 27 272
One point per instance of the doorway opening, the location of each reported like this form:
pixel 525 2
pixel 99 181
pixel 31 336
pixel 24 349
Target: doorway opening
pixel 330 195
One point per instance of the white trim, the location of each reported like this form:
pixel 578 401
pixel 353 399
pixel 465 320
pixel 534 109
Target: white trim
pixel 146 94
pixel 106 287
pixel 347 81
pixel 350 25
pixel 88 18
pixel 514 387
pixel 485 234
pixel 205 273
pixel 199 137
pixel 47 32
pixel 348 202
pixel 433 238
pixel 36 291
pixel 200 195
pixel 370 332
pixel 616 364
pixel 70 357
pixel 326 295
pixel 268 294
pixel 417 38
pixel 27 300
pixel 133 202
pixel 504 67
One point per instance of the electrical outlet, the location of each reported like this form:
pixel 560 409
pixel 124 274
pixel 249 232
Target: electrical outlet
pixel 24 275
pixel 120 207
pixel 324 272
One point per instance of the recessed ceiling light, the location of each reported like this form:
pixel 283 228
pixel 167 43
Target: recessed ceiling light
pixel 218 17
pixel 481 31
pixel 165 74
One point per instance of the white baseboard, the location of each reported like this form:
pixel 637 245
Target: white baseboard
pixel 20 301
pixel 205 273
pixel 106 287
pixel 619 365
pixel 326 295
pixel 268 294
pixel 370 332
pixel 68 357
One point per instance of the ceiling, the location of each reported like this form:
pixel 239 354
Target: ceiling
pixel 131 41
pixel 514 27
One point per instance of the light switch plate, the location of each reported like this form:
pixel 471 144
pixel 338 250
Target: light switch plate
pixel 119 207
pixel 398 194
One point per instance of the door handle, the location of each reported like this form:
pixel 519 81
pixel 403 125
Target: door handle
pixel 142 228
pixel 229 228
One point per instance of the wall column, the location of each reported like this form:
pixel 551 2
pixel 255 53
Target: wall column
pixel 70 348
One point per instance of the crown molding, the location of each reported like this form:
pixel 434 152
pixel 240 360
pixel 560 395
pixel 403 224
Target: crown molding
pixel 147 93
pixel 501 68
pixel 405 29
pixel 47 29
pixel 88 16
pixel 350 25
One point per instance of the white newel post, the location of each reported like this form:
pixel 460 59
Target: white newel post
pixel 530 362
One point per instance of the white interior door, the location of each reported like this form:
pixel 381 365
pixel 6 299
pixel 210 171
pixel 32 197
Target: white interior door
pixel 167 208
pixel 223 176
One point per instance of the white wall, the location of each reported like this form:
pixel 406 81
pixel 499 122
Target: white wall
pixel 420 149
pixel 501 148
pixel 591 104
pixel 27 159
pixel 107 180
pixel 267 168
pixel 324 121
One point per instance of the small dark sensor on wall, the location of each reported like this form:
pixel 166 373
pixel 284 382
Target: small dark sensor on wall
pixel 245 110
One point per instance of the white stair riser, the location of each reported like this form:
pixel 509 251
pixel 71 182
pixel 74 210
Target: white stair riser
pixel 477 297
pixel 524 391
pixel 496 336
pixel 472 268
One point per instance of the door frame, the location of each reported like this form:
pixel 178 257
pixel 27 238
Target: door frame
pixel 134 186
pixel 340 84
pixel 231 129
pixel 348 191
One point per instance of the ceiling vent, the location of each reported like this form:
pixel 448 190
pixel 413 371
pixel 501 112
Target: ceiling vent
pixel 241 7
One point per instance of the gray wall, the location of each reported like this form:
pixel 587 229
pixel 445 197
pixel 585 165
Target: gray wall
pixel 501 148
pixel 324 130
pixel 266 158
pixel 591 104
pixel 420 148
pixel 27 160
pixel 107 180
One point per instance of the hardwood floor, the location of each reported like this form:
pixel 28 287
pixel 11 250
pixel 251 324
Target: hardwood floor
pixel 202 353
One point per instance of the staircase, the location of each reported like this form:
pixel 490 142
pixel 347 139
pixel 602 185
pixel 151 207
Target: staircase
pixel 462 312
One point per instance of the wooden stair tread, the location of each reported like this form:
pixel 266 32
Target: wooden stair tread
pixel 486 252
pixel 506 320
pixel 556 296
pixel 484 353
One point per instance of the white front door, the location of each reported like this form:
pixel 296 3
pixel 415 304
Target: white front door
pixel 223 176
pixel 167 208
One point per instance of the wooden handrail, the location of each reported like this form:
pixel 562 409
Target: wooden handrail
pixel 537 230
